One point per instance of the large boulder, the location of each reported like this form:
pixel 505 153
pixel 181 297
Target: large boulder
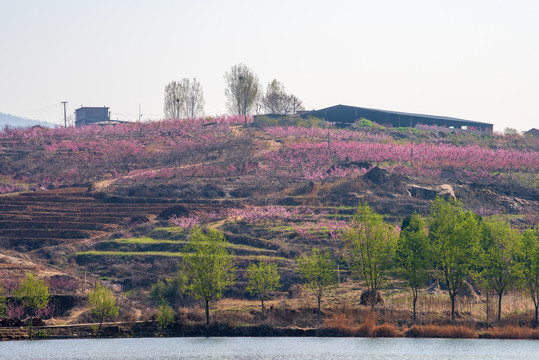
pixel 377 175
pixel 431 192
pixel 468 291
pixel 369 297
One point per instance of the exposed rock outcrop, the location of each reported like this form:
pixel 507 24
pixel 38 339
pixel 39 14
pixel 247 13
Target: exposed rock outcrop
pixel 431 192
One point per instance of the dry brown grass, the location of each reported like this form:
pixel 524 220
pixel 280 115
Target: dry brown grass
pixel 368 325
pixel 386 330
pixel 511 332
pixel 431 308
pixel 441 331
pixel 348 321
pixel 344 321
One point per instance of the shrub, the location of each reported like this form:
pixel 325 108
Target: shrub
pixel 385 330
pixel 164 316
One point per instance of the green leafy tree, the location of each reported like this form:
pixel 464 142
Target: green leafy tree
pixel 263 280
pixel 210 267
pixel 413 254
pixel 318 271
pixel 34 295
pixel 497 260
pixel 103 303
pixel 371 248
pixel 528 263
pixel 164 316
pixel 454 235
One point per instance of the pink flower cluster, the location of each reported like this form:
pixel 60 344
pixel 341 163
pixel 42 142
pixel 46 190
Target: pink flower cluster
pixel 64 285
pixel 91 152
pixel 192 220
pixel 272 214
pixel 185 222
pixel 299 132
pixel 316 161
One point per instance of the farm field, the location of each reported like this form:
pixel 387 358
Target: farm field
pixel 116 203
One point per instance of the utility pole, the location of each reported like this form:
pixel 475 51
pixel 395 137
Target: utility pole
pixel 139 114
pixel 65 118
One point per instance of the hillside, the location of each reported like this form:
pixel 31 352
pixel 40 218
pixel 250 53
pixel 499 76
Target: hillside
pixel 20 122
pixel 117 201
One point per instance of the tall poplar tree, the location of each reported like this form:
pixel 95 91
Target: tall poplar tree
pixel 263 280
pixel 103 303
pixel 454 235
pixel 498 257
pixel 528 263
pixel 209 267
pixel 370 244
pixel 318 271
pixel 413 254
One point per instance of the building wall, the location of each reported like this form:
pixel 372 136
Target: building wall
pixel 91 115
pixel 347 115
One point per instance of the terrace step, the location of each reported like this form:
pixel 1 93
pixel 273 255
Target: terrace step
pixel 31 220
pixel 48 225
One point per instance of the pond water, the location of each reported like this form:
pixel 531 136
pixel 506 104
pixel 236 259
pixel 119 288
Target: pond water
pixel 270 349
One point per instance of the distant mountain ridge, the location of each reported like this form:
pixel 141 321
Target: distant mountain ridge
pixel 16 121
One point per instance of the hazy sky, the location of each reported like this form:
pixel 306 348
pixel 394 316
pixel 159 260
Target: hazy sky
pixel 473 59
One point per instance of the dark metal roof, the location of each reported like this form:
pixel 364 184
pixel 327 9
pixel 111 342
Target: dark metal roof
pixel 399 113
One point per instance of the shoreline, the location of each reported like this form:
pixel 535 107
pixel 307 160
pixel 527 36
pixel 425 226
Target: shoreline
pixel 149 330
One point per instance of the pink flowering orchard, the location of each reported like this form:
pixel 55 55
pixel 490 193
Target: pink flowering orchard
pixel 217 148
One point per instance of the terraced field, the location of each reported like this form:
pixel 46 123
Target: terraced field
pixel 133 260
pixel 29 221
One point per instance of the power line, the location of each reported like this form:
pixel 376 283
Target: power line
pixel 40 110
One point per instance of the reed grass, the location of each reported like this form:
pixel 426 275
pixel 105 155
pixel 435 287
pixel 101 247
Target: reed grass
pixel 511 332
pixel 358 322
pixel 441 331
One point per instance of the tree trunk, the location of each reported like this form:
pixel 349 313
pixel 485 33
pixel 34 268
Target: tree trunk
pixel 262 305
pixel 319 300
pixel 536 308
pixel 100 323
pixel 207 312
pixel 487 305
pixel 414 303
pixel 500 294
pixel 31 327
pixel 452 308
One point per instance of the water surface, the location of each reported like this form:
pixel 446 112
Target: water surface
pixel 273 348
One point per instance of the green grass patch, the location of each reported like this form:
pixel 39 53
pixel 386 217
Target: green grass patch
pixel 173 254
pixel 147 240
pixel 132 253
pixel 171 229
pixel 279 228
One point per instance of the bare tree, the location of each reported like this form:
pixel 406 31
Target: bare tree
pixel 273 100
pixel 194 99
pixel 184 99
pixel 293 104
pixel 242 90
pixel 174 100
pixel 277 101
